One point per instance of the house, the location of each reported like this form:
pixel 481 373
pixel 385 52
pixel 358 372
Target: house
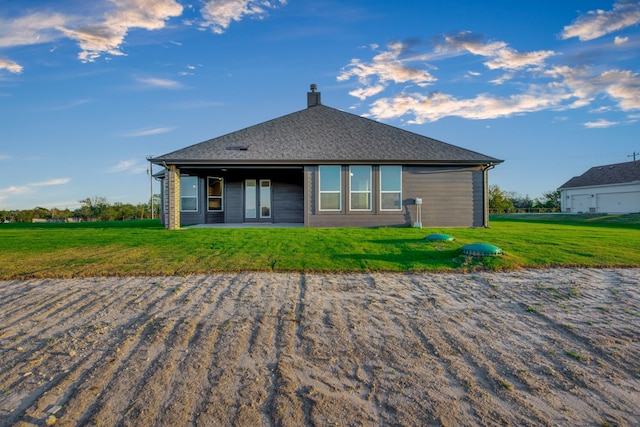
pixel 603 189
pixel 322 167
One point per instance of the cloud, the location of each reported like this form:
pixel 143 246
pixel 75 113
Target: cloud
pixel 620 40
pixel 218 14
pixel 54 181
pixel 4 157
pixel 104 32
pixel 535 84
pixel 107 36
pixel 11 66
pixel 621 86
pixel 38 27
pixel 401 64
pixel 129 166
pixel 148 132
pixel 22 189
pixel 574 88
pixel 387 67
pixel 602 123
pixel 595 24
pixel 14 189
pixel 500 54
pixel 434 106
pixel 161 83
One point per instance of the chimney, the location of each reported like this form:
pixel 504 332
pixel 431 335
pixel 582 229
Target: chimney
pixel 313 97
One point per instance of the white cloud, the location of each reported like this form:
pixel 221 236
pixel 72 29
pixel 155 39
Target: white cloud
pixel 161 83
pixel 595 24
pixel 105 32
pixel 54 181
pixel 620 40
pixel 38 27
pixel 387 67
pixel 14 189
pixel 500 54
pixel 621 86
pixel 399 64
pixel 434 106
pixel 128 166
pixel 22 189
pixel 563 87
pixel 602 123
pixel 218 14
pixel 11 66
pixel 122 166
pixel 107 36
pixel 148 132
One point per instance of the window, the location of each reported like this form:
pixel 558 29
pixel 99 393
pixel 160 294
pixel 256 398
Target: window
pixel 360 184
pixel 330 185
pixel 215 188
pixel 189 193
pixel 390 188
pixel 265 198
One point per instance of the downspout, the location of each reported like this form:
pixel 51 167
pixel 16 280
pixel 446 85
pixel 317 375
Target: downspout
pixel 485 191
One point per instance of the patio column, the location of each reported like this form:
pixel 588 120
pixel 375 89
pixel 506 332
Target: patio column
pixel 172 179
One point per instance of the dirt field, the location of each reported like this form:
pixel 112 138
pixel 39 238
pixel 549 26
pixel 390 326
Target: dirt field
pixel 542 347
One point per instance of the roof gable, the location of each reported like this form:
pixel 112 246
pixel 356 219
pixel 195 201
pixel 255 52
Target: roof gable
pixel 618 173
pixel 323 134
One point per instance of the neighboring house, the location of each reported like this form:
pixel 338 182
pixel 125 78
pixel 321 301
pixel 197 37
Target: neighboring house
pixel 322 167
pixel 603 189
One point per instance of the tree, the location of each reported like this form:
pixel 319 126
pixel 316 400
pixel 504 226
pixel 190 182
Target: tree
pixel 551 199
pixel 499 202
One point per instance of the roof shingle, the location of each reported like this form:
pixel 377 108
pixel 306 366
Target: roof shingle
pixel 618 173
pixel 323 134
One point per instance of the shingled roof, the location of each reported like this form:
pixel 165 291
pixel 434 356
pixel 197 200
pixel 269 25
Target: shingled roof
pixel 618 173
pixel 321 134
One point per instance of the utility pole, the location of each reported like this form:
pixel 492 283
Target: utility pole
pixel 150 172
pixel 634 154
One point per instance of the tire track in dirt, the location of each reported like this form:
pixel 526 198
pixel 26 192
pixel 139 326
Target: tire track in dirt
pixel 148 402
pixel 98 379
pixel 47 360
pixel 228 373
pixel 306 349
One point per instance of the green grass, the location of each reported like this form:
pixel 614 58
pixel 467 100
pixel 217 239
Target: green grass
pixel 146 248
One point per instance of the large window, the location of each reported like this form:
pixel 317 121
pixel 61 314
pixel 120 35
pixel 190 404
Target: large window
pixel 360 185
pixel 215 189
pixel 189 193
pixel 390 188
pixel 330 188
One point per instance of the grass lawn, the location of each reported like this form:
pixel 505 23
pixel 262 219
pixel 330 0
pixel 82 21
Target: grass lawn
pixel 146 248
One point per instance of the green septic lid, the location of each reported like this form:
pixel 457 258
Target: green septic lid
pixel 481 249
pixel 439 237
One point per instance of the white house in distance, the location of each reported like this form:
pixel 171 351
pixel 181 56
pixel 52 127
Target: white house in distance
pixel 603 189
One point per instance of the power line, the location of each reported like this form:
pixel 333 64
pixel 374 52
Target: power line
pixel 634 154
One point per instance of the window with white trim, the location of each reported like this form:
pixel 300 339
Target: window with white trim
pixel 330 186
pixel 360 186
pixel 390 188
pixel 215 192
pixel 189 193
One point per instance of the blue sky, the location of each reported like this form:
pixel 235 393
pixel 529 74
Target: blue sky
pixel 89 89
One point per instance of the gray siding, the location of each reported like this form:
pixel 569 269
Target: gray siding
pixel 451 196
pixel 288 201
pixel 234 204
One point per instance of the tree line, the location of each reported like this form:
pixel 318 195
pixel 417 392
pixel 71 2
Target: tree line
pixel 99 209
pixel 91 209
pixel 509 202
